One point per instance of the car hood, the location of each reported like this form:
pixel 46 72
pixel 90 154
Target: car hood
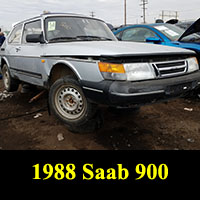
pixel 109 48
pixel 194 28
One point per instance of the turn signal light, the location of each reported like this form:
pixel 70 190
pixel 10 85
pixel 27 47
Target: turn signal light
pixel 111 68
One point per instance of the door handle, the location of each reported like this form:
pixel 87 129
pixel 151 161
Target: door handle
pixel 18 49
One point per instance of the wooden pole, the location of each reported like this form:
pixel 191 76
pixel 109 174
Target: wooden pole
pixel 125 12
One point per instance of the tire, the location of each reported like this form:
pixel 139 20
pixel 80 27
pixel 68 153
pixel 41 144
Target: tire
pixel 69 104
pixel 91 126
pixel 10 84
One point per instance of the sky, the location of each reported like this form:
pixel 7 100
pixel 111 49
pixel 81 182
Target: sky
pixel 111 11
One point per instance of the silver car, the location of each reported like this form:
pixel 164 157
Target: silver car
pixel 81 63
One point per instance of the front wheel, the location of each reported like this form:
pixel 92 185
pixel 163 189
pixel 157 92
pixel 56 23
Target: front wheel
pixel 69 104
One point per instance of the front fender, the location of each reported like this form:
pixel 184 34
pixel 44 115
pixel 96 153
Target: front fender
pixel 68 64
pixel 4 60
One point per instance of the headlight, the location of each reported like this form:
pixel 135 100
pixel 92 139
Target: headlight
pixel 129 72
pixel 193 64
pixel 139 71
pixel 112 71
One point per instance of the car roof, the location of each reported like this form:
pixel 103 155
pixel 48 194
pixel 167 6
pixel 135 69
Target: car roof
pixel 121 28
pixel 49 14
pixel 60 14
pixel 154 24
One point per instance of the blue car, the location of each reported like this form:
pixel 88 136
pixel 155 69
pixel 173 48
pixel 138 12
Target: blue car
pixel 162 33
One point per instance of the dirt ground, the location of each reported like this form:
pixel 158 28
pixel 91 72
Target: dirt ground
pixel 165 126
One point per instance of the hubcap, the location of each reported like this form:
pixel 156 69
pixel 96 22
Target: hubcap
pixel 69 102
pixel 6 78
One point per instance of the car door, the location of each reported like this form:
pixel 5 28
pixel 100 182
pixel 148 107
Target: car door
pixel 138 34
pixel 13 47
pixel 29 66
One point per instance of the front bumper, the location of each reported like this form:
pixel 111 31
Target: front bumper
pixel 123 93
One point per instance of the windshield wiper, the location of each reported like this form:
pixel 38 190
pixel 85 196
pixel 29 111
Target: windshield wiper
pixel 81 37
pixel 93 37
pixel 62 38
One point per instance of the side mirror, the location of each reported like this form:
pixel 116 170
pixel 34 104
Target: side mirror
pixel 35 38
pixel 154 40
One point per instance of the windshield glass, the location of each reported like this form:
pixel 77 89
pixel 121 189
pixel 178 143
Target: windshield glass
pixel 174 32
pixel 76 28
pixel 171 31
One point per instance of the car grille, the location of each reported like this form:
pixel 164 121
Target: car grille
pixel 170 68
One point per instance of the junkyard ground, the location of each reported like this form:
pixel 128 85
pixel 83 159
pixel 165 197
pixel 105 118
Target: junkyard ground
pixel 166 126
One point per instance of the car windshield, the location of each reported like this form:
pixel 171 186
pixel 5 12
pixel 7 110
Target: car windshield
pixel 171 31
pixel 59 29
pixel 174 32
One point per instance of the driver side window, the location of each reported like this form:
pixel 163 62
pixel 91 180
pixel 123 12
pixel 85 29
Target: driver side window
pixel 139 34
pixel 31 28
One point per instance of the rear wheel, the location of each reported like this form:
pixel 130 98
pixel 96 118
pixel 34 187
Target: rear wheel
pixel 10 84
pixel 68 102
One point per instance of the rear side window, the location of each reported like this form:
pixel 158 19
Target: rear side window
pixel 15 35
pixel 32 28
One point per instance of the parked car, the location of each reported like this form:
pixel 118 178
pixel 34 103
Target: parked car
pixel 185 25
pixel 110 26
pixel 79 60
pixel 164 34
